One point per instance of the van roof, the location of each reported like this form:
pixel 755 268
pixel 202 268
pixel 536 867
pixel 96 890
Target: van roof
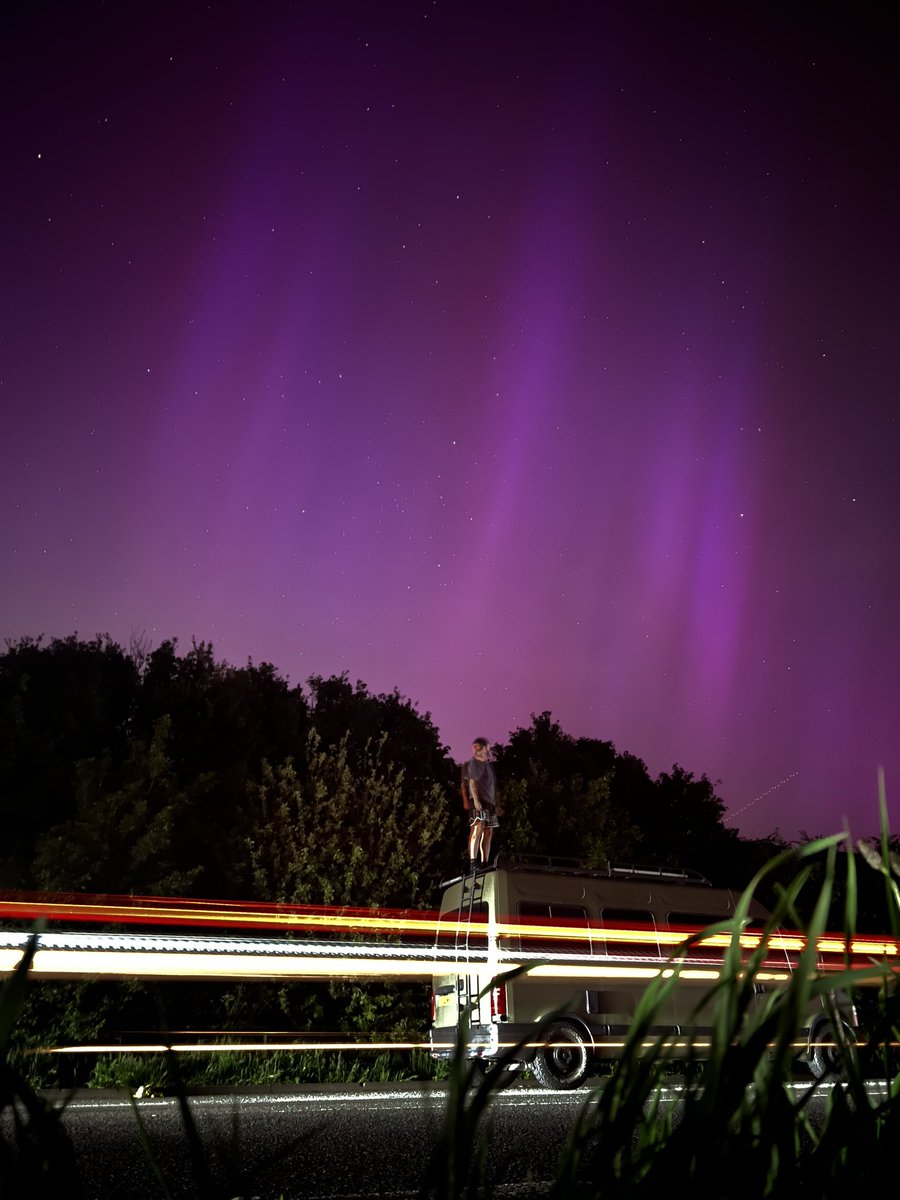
pixel 574 866
pixel 554 865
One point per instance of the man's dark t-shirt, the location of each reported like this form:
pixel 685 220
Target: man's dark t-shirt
pixel 485 781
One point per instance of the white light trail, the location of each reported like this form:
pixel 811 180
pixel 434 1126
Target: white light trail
pixel 156 956
pixel 185 956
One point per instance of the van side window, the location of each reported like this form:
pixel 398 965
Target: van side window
pixel 643 945
pixel 567 917
pixel 686 923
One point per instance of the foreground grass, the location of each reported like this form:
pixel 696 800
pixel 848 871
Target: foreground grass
pixel 36 1156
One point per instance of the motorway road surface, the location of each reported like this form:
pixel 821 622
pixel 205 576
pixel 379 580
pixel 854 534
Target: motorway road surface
pixel 316 1143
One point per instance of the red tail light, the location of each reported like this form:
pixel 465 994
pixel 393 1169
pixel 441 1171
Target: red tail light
pixel 498 1002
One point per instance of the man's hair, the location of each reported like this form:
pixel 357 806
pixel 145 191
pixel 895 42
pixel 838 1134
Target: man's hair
pixel 480 742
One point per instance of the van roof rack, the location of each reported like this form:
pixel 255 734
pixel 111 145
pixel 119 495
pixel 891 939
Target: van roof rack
pixel 669 874
pixel 572 866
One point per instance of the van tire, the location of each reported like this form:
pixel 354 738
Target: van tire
pixel 562 1067
pixel 825 1061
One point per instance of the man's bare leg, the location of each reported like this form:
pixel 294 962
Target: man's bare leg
pixel 474 841
pixel 486 843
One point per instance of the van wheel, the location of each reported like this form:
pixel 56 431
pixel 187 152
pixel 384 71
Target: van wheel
pixel 479 1069
pixel 825 1058
pixel 563 1063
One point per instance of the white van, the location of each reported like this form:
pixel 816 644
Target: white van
pixel 596 939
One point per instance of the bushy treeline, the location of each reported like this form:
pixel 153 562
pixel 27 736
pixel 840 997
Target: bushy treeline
pixel 159 772
pixel 155 772
pixel 167 773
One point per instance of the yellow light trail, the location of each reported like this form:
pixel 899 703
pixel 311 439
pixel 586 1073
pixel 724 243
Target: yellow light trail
pixel 368 963
pixel 310 918
pixel 212 914
pixel 662 945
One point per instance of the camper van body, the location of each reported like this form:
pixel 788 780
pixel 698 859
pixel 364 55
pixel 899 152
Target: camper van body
pixel 592 942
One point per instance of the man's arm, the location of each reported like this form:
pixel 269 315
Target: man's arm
pixel 473 792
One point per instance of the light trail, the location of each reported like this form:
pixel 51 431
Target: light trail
pixel 453 946
pixel 365 944
pixel 600 1041
pixel 157 910
pixel 161 956
pixel 153 956
pixel 166 911
pixel 230 1047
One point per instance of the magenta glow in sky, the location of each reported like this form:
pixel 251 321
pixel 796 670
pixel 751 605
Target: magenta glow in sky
pixel 521 357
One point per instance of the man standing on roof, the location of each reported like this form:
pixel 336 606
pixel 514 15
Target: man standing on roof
pixel 482 794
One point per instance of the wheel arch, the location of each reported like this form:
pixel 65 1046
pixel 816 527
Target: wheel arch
pixel 571 1018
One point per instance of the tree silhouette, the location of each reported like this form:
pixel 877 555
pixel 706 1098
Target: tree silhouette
pixel 60 703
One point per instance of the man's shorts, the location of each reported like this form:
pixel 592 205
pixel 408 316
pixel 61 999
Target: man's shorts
pixel 487 817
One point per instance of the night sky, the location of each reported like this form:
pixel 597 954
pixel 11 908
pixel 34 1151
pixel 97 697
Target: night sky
pixel 517 356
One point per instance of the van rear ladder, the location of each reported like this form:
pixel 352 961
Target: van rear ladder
pixel 471 892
